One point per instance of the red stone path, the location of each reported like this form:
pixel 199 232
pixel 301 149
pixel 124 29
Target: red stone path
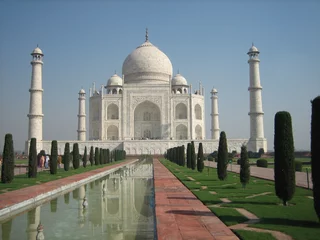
pixel 180 215
pixel 10 198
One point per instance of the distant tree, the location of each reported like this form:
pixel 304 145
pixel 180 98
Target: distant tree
pixel 108 155
pixel 32 165
pixel 84 159
pixel 244 167
pixel 101 156
pixel 222 157
pixel 193 156
pixel 284 170
pixel 183 156
pixel 7 170
pixel 315 153
pixel 261 152
pixel 200 164
pixel 91 158
pixel 189 155
pixel 96 156
pixel 75 156
pixel 66 157
pixel 54 157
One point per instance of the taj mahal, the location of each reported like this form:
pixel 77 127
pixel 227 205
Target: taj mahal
pixel 147 109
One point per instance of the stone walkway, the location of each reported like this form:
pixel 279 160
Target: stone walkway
pixel 266 173
pixel 180 215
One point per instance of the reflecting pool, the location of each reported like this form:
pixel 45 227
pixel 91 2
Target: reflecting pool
pixel 117 206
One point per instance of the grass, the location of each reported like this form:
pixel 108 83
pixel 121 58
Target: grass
pixel 298 220
pixel 22 181
pixel 229 216
pixel 243 234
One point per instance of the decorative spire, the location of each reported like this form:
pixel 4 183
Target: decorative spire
pixel 147 35
pixel 115 71
pixel 37 45
pixel 252 44
pixel 178 71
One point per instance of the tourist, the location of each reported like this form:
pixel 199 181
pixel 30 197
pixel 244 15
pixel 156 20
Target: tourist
pixel 59 161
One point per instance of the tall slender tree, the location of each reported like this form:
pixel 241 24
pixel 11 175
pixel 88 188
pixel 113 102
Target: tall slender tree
pixel 75 156
pixel 200 164
pixel 108 155
pixel 32 165
pixel 189 155
pixel 96 156
pixel 66 157
pixel 315 153
pixel 91 158
pixel 284 169
pixel 193 156
pixel 54 157
pixel 101 156
pixel 183 156
pixel 84 159
pixel 222 157
pixel 244 167
pixel 7 170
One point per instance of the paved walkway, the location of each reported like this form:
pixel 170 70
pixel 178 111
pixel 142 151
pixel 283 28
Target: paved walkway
pixel 9 199
pixel 266 173
pixel 180 215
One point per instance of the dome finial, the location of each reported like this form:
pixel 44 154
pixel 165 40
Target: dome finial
pixel 252 44
pixel 115 71
pixel 37 45
pixel 178 71
pixel 147 35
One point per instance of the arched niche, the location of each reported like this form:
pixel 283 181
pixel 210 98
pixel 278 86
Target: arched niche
pixel 147 124
pixel 181 111
pixel 181 132
pixel 112 111
pixel 198 112
pixel 198 132
pixel 112 133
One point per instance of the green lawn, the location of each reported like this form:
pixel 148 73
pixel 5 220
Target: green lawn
pixel 243 234
pixel 298 220
pixel 22 181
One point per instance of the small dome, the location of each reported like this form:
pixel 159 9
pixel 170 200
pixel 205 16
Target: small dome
pixel 253 49
pixel 37 50
pixel 179 80
pixel 214 91
pixel 115 80
pixel 82 91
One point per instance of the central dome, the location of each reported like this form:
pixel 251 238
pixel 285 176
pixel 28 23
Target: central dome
pixel 148 65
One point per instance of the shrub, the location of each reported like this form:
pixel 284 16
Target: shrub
pixel 315 153
pixel 298 166
pixel 54 157
pixel 200 164
pixel 193 156
pixel 284 172
pixel 222 157
pixel 7 170
pixel 189 155
pixel 84 160
pixel 210 158
pixel 91 158
pixel 66 157
pixel 262 163
pixel 96 156
pixel 32 166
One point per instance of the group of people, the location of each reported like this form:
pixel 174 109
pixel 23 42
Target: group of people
pixel 44 160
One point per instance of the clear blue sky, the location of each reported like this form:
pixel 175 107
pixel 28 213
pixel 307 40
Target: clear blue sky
pixel 86 41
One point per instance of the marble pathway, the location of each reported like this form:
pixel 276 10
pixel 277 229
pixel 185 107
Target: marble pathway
pixel 180 215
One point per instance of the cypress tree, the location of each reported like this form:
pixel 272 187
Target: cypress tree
pixel 200 164
pixel 222 157
pixel 75 156
pixel 193 156
pixel 32 166
pixel 54 157
pixel 101 156
pixel 189 155
pixel 84 159
pixel 183 156
pixel 315 153
pixel 284 169
pixel 108 155
pixel 7 170
pixel 96 156
pixel 91 158
pixel 66 157
pixel 244 167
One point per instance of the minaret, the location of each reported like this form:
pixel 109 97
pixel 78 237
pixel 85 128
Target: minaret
pixel 257 139
pixel 35 109
pixel 215 130
pixel 82 116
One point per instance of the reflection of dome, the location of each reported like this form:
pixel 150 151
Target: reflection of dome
pixel 37 50
pixel 179 80
pixel 147 64
pixel 115 80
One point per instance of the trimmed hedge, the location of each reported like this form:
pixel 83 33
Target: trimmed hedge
pixel 262 163
pixel 298 166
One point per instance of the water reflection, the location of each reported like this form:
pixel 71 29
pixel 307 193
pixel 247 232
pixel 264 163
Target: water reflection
pixel 119 206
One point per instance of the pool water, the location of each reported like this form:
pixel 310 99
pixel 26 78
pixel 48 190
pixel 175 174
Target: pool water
pixel 119 206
